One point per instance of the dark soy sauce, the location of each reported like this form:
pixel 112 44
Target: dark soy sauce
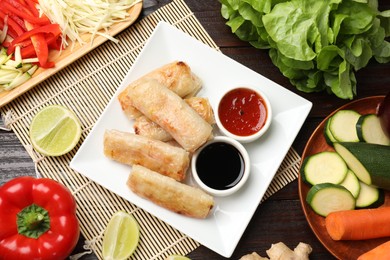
pixel 220 166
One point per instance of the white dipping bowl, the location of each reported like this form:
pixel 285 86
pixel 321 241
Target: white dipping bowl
pixel 233 108
pixel 219 176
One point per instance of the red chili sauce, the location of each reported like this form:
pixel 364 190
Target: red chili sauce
pixel 242 112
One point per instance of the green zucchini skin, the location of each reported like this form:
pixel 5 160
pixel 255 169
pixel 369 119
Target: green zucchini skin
pixel 370 197
pixel 323 167
pixel 329 138
pixel 343 125
pixel 352 183
pixel 325 198
pixel 370 162
pixel 369 130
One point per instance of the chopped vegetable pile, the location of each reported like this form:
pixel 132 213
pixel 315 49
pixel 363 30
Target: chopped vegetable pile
pixel 29 29
pixel 318 45
pixel 27 36
pixel 79 17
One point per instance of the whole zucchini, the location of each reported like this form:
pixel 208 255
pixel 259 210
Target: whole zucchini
pixel 370 162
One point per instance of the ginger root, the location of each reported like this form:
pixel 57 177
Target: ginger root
pixel 253 256
pixel 280 251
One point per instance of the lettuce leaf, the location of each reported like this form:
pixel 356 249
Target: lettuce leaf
pixel 318 45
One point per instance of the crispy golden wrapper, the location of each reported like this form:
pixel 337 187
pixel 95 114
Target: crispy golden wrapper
pixel 176 76
pixel 171 113
pixel 145 127
pixel 130 149
pixel 170 194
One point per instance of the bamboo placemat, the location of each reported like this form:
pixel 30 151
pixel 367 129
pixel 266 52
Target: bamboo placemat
pixel 86 86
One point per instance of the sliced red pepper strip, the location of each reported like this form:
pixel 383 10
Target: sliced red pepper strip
pixel 23 44
pixel 18 20
pixel 41 49
pixel 48 65
pixel 6 44
pixel 50 28
pixel 56 44
pixel 32 8
pixel 20 5
pixel 39 43
pixel 24 13
pixel 10 32
pixel 29 51
pixel 12 24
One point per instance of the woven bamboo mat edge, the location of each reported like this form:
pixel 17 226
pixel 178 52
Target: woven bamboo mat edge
pixel 86 87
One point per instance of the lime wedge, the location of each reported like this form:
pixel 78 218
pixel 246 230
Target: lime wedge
pixel 121 237
pixel 55 130
pixel 177 257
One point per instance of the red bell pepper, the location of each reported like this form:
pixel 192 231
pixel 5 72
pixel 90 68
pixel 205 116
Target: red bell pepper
pixel 50 28
pixel 37 220
pixel 38 40
pixel 12 25
pixel 40 46
pixel 14 7
pixel 32 7
pixel 29 51
pixel 18 20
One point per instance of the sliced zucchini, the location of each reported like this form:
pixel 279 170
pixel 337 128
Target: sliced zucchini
pixel 8 67
pixel 3 56
pixel 370 196
pixel 343 126
pixel 369 130
pixel 370 162
pixel 327 134
pixel 14 72
pixel 7 78
pixel 13 64
pixel 324 167
pixel 325 198
pixel 32 70
pixel 26 67
pixel 18 80
pixel 352 183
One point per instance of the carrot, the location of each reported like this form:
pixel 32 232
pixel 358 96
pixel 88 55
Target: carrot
pixel 380 252
pixel 359 224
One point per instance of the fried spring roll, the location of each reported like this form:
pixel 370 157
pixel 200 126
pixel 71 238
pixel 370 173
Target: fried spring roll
pixel 203 107
pixel 133 149
pixel 145 127
pixel 171 112
pixel 170 194
pixel 176 76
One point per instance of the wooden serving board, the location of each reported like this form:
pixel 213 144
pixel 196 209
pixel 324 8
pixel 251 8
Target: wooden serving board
pixel 69 55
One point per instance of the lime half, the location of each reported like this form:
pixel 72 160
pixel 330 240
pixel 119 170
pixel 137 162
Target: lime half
pixel 177 257
pixel 55 130
pixel 121 237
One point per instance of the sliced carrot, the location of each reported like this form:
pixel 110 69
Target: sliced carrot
pixel 359 224
pixel 380 252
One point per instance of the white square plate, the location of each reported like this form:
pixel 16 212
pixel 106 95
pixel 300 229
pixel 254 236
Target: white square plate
pixel 225 225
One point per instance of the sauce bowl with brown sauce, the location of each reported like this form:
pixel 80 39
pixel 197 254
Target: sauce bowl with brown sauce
pixel 221 166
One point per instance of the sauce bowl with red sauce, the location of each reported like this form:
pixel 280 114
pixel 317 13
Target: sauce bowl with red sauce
pixel 244 114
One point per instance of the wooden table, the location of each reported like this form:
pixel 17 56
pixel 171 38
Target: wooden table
pixel 280 218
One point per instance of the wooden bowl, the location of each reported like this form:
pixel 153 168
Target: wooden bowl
pixel 340 249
